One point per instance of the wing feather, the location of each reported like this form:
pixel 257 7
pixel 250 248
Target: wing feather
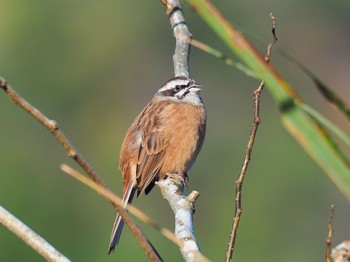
pixel 152 148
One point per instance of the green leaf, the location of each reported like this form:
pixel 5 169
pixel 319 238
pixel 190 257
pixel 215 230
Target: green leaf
pixel 326 123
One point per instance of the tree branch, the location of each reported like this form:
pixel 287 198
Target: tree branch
pixel 113 198
pixel 32 239
pixel 52 126
pixel 117 202
pixel 183 208
pixel 182 36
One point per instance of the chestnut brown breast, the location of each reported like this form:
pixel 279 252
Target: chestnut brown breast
pixel 165 138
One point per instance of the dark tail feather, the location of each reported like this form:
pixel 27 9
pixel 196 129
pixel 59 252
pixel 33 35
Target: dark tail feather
pixel 116 232
pixel 119 222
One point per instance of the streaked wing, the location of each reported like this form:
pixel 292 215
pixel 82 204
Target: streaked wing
pixel 152 148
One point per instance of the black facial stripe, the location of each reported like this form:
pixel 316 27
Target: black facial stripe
pixel 169 92
pixel 184 94
pixel 172 92
pixel 180 87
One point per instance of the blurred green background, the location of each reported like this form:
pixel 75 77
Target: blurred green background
pixel 93 65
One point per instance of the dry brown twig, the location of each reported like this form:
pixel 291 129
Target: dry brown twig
pixel 240 180
pixel 53 127
pixel 113 198
pixel 330 234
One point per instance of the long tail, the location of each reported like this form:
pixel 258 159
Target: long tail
pixel 119 222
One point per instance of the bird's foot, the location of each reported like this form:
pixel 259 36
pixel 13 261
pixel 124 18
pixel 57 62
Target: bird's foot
pixel 179 178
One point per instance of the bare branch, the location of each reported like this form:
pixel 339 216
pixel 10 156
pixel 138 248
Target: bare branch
pixel 113 198
pixel 32 239
pixel 116 201
pixel 183 208
pixel 240 180
pixel 52 126
pixel 330 234
pixel 182 36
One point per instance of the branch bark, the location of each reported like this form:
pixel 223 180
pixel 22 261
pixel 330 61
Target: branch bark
pixel 183 208
pixel 182 36
pixel 32 239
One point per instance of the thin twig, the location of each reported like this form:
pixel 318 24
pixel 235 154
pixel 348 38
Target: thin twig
pixel 52 126
pixel 330 234
pixel 32 239
pixel 110 196
pixel 116 201
pixel 240 180
pixel 274 39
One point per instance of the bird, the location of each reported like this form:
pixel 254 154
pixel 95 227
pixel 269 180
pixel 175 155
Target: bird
pixel 164 140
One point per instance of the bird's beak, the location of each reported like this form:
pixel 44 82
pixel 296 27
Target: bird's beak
pixel 195 87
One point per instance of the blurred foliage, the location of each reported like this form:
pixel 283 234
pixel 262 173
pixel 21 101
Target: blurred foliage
pixel 92 66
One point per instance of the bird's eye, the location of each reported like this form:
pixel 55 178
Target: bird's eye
pixel 177 88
